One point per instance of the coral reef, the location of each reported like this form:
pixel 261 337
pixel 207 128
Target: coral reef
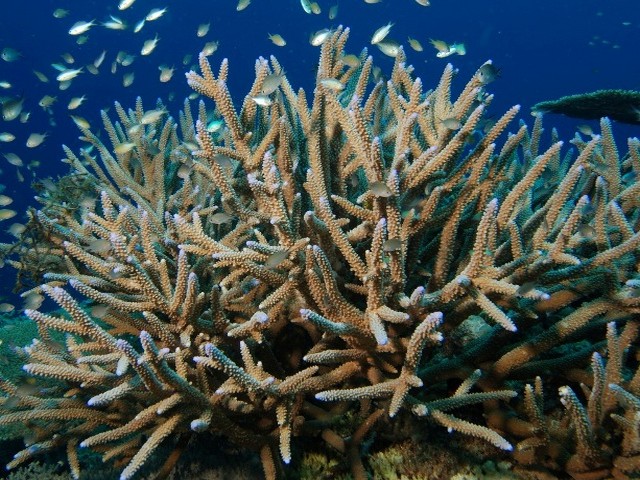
pixel 370 263
pixel 581 441
pixel 620 105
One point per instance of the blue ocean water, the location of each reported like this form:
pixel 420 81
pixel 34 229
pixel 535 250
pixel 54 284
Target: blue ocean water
pixel 544 49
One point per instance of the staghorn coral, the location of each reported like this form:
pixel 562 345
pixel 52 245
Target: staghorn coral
pixel 580 442
pixel 299 273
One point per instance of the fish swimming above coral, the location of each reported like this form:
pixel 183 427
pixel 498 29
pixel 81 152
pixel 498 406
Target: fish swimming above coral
pixel 620 105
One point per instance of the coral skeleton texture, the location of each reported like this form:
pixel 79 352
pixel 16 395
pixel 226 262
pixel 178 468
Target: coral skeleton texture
pixel 352 257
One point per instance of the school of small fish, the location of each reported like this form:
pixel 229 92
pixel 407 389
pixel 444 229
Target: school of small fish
pixel 127 18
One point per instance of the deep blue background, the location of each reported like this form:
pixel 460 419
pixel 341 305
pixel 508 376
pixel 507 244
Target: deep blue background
pixel 545 49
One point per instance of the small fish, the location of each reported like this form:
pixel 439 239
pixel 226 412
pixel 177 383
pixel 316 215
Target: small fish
pixel 60 13
pixel 440 45
pixel 123 148
pixel 149 45
pixel 127 79
pixel 99 59
pixel 99 246
pixel 135 129
pixel 381 33
pixel 127 59
pixel 459 48
pixel 276 259
pixel 7 137
pixel 445 50
pixel 139 25
pixel 277 39
pixel 166 73
pixel 224 161
pixel 315 8
pixel 487 73
pixel 220 218
pixel 100 311
pixel 17 229
pixel 13 159
pixel 115 24
pixel 46 101
pixel 306 6
pixel 319 37
pixel 69 74
pixel 6 308
pixel 424 3
pixel 210 48
pixel 41 76
pixel 6 214
pixel 9 54
pixel 242 4
pixel 36 139
pixel 152 116
pixel 12 108
pixel 203 29
pixel 81 27
pixel 4 200
pixel 4 84
pixel 585 130
pixel 214 125
pixel 75 102
pixel 452 123
pixel 81 122
pixel 32 300
pixel 271 83
pixel 67 57
pixel 155 14
pixel 184 171
pixel 351 60
pixel 332 84
pixel 415 44
pixel 64 85
pixel 124 4
pixel 262 100
pixel 445 54
pixel 587 231
pixel 391 48
pixel 333 12
pixel 380 189
pixel 392 245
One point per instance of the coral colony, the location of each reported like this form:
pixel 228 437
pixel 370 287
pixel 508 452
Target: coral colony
pixel 324 266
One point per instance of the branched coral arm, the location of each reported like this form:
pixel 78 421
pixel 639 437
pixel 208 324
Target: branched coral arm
pixel 453 423
pixel 149 447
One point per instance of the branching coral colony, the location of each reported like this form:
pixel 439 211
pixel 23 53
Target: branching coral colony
pixel 353 257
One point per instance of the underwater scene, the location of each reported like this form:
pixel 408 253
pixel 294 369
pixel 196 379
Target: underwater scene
pixel 332 239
